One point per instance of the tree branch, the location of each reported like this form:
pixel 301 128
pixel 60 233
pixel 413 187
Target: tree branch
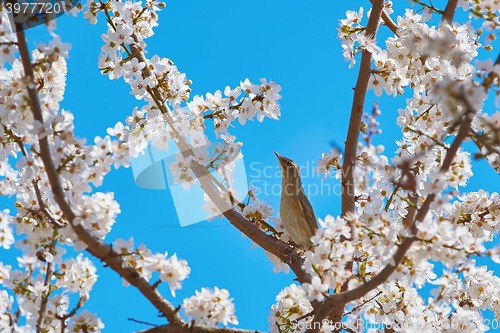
pixel 351 144
pixel 45 298
pixel 388 21
pixel 351 147
pixel 38 194
pixel 413 199
pixel 449 11
pixel 96 247
pixel 323 310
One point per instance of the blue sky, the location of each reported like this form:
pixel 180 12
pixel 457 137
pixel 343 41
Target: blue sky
pixel 217 44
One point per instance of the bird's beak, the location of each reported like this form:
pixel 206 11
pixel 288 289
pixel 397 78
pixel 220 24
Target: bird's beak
pixel 280 160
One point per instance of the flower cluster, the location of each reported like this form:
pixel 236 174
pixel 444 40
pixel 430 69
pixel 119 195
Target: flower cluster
pixel 329 161
pixel 157 79
pixel 417 56
pixel 172 270
pixel 78 275
pixel 5 305
pixel 210 307
pixel 85 322
pixel 327 262
pixel 6 235
pixel 97 213
pixel 287 314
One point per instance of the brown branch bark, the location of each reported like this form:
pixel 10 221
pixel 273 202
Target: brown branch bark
pixel 388 21
pixel 449 11
pixel 45 298
pixel 351 144
pixel 413 199
pixel 96 247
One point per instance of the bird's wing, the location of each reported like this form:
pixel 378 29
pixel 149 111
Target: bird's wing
pixel 308 211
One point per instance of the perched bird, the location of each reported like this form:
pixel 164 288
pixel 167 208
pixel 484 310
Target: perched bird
pixel 296 212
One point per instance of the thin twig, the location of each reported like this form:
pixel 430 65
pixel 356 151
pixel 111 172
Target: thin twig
pixel 43 209
pixel 45 295
pixel 356 308
pixel 41 204
pixel 141 322
pixel 63 319
pixel 295 321
pixel 413 199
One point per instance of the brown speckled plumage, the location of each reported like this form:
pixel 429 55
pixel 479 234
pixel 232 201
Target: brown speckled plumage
pixel 296 211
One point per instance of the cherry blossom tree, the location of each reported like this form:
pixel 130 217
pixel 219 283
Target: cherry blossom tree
pixel 399 215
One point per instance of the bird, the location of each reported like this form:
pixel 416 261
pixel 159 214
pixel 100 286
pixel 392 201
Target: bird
pixel 296 211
